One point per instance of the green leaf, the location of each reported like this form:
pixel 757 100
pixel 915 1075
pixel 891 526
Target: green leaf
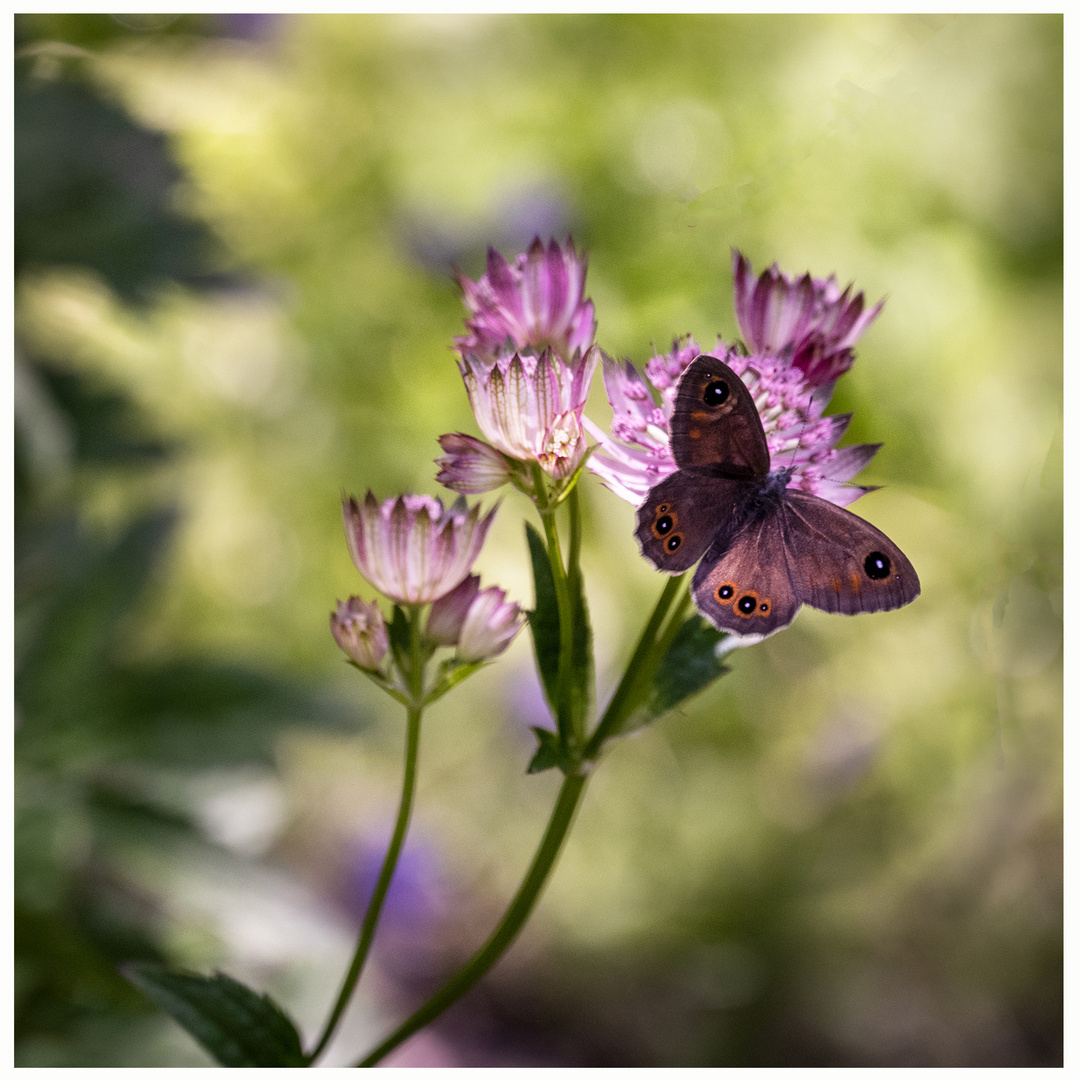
pixel 544 618
pixel 689 665
pixel 451 674
pixel 239 1027
pixel 551 754
pixel 95 587
pixel 581 670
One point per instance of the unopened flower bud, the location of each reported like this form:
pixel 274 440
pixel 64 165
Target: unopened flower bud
pixel 489 627
pixel 360 632
pixel 470 465
pixel 447 615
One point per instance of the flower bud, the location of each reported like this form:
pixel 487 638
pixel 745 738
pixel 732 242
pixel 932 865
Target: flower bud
pixel 489 627
pixel 470 465
pixel 360 632
pixel 447 614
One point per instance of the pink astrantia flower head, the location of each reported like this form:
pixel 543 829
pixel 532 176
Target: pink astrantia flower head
pixel 529 407
pixel 535 303
pixel 637 453
pixel 360 632
pixel 410 548
pixel 489 627
pixel 810 316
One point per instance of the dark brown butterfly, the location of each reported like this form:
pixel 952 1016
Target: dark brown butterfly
pixel 767 548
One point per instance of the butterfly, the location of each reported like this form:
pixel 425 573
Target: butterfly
pixel 767 548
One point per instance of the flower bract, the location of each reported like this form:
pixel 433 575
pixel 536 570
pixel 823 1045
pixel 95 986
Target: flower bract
pixel 410 548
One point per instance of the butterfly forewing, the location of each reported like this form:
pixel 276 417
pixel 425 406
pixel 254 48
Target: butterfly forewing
pixel 716 424
pixel 682 516
pixel 838 562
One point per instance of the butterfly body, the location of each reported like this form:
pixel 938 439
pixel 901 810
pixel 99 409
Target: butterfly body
pixel 764 548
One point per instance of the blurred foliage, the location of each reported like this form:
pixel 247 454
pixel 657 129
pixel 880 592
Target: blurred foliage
pixel 234 244
pixel 104 727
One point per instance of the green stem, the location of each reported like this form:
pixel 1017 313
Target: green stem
pixel 573 566
pixel 639 667
pixel 397 840
pixel 520 908
pixel 563 709
pixel 574 590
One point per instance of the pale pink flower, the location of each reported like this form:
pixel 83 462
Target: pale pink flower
pixel 809 316
pixel 529 407
pixel 360 632
pixel 489 627
pixel 410 548
pixel 537 302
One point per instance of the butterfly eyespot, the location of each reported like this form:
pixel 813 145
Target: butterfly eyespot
pixel 725 592
pixel 746 604
pixel 662 508
pixel 877 566
pixel 663 525
pixel 716 393
pixel 763 607
pixel 673 542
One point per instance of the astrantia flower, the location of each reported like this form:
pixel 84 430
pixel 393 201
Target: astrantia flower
pixel 637 453
pixel 529 407
pixel 810 316
pixel 410 548
pixel 489 627
pixel 471 466
pixel 535 303
pixel 360 632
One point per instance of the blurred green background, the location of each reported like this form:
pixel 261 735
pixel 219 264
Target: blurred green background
pixel 234 239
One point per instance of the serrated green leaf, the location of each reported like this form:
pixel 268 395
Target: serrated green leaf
pixel 550 754
pixel 689 665
pixel 544 618
pixel 239 1027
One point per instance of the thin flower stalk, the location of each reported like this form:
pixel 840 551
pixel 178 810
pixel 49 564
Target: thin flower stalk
pixel 564 717
pixel 555 834
pixel 370 923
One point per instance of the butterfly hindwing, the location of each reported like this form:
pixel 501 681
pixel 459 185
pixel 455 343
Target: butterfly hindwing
pixel 840 563
pixel 743 586
pixel 682 515
pixel 715 422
